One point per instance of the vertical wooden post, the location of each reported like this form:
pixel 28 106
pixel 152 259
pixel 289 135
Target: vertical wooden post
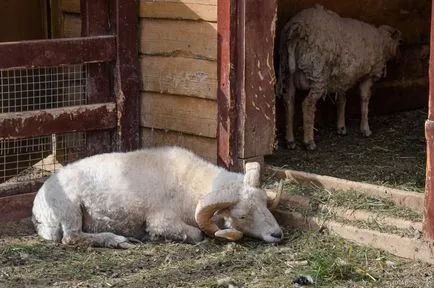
pixel 95 15
pixel 226 76
pixel 126 73
pixel 428 225
pixel 246 97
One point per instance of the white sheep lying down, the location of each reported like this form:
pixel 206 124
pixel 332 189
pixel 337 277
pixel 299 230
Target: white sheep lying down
pixel 325 53
pixel 159 193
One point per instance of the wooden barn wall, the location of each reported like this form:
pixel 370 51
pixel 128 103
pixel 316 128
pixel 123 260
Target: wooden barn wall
pixel 406 86
pixel 178 51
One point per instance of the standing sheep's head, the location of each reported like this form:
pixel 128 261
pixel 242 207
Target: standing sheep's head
pixel 393 39
pixel 244 211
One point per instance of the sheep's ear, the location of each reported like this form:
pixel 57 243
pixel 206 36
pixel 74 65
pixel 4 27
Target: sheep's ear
pixel 229 234
pixel 252 175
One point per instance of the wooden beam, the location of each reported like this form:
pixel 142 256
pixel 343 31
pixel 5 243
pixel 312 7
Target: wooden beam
pixel 38 53
pixel 59 120
pixel 179 76
pixel 126 73
pixel 428 223
pixel 179 9
pixel 412 200
pixel 203 146
pixel 257 98
pixel 179 113
pixel 10 189
pixel 189 39
pixel 16 207
pixel 71 6
pixel 226 77
pixel 95 17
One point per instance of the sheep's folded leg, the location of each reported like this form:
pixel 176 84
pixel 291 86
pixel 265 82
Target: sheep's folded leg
pixel 309 107
pixel 105 239
pixel 365 95
pixel 172 228
pixel 341 127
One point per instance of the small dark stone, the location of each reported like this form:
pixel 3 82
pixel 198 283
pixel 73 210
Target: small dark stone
pixel 303 280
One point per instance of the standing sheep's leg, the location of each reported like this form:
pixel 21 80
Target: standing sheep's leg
pixel 289 105
pixel 309 107
pixel 341 127
pixel 160 226
pixel 365 95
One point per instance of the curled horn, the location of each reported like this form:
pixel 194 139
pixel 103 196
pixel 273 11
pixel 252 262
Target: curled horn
pixel 213 202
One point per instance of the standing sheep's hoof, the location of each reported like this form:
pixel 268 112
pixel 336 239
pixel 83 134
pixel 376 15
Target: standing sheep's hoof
pixel 291 145
pixel 366 133
pixel 310 146
pixel 342 131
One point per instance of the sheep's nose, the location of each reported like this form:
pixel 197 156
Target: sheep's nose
pixel 277 235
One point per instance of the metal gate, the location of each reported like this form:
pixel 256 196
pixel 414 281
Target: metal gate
pixel 63 99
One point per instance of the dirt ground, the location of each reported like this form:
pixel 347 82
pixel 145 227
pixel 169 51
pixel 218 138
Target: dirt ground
pixel 394 155
pixel 28 261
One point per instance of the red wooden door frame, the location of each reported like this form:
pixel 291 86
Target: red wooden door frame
pixel 245 98
pixel 428 225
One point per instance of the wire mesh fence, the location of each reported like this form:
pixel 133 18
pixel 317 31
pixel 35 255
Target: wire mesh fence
pixel 33 89
pixel 43 88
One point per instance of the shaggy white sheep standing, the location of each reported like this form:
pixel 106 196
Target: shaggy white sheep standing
pixel 324 53
pixel 154 193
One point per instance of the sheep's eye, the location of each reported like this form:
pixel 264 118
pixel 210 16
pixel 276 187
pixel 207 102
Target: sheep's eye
pixel 243 217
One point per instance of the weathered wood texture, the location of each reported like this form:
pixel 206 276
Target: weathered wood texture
pixel 71 6
pixel 257 115
pixel 178 68
pixel 59 120
pixel 95 20
pixel 180 9
pixel 168 9
pixel 429 134
pixel 184 114
pixel 179 76
pixel 56 52
pixel 226 103
pixel 203 146
pixel 71 26
pixel 193 39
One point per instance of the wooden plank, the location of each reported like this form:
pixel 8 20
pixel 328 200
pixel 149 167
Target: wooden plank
pixel 71 26
pixel 71 6
pixel 178 38
pixel 203 146
pixel 257 102
pixel 126 74
pixel 179 113
pixel 10 189
pixel 179 9
pixel 95 18
pixel 428 223
pixel 412 200
pixel 181 76
pixel 16 207
pixel 409 248
pixel 59 120
pixel 39 53
pixel 226 97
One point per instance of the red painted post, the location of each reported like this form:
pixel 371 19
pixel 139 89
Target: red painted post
pixel 227 83
pixel 428 225
pixel 126 73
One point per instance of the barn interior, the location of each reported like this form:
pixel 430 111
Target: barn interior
pixel 395 153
